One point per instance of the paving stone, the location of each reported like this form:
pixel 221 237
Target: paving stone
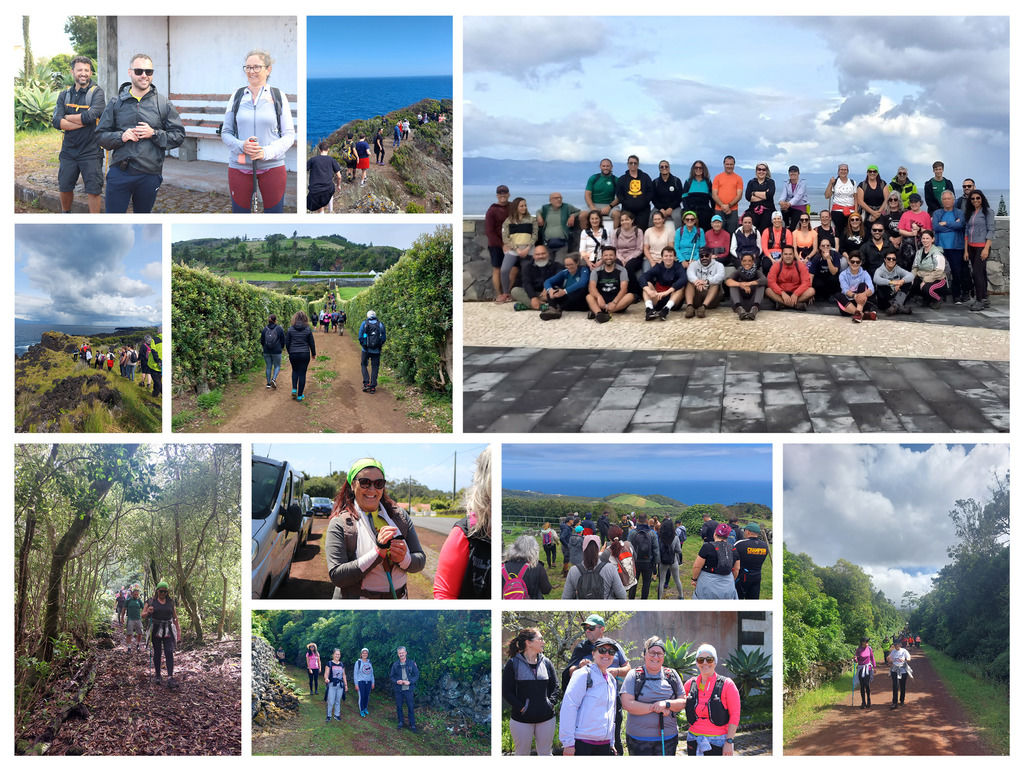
pixel 699 420
pixel 607 421
pixel 786 418
pixel 860 393
pixel 701 396
pixel 520 422
pixel 743 383
pixel 482 382
pixel 783 394
pixel 815 382
pixel 924 423
pixel 635 376
pixel 834 423
pixel 660 428
pixel 655 408
pixel 621 397
pixel 875 418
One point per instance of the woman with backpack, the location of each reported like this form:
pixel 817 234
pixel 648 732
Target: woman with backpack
pixel 301 350
pixel 165 630
pixel 464 563
pixel 670 548
pixel 362 672
pixel 549 539
pixel 620 552
pixel 716 567
pixel 272 341
pixel 593 578
pixel 528 686
pixel 651 728
pixel 522 573
pixel 712 706
pixel 335 684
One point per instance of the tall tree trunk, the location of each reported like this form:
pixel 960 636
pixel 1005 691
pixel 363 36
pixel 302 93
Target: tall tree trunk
pixel 26 548
pixel 193 610
pixel 30 65
pixel 223 605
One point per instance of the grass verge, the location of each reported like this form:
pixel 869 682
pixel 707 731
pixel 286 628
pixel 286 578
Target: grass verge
pixel 985 702
pixel 808 707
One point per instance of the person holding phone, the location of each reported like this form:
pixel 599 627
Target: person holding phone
pixel 371 542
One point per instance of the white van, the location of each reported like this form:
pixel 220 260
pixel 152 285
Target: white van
pixel 281 518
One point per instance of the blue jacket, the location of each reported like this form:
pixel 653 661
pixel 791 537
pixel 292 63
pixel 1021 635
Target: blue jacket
pixel 362 337
pixel 951 235
pixel 571 283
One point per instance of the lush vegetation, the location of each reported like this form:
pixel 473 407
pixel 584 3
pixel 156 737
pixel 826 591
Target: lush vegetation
pixel 216 326
pixel 40 81
pixel 280 256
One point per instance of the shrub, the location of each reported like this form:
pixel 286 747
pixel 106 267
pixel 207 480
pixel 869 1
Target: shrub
pixel 413 208
pixel 34 104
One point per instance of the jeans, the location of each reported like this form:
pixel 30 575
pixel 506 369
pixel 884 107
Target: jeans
pixel 273 365
pixel 135 187
pixel 980 271
pixel 299 362
pixel 404 698
pixel 334 693
pixel 364 695
pixel 644 571
pixel 899 686
pixel 166 644
pixel 370 377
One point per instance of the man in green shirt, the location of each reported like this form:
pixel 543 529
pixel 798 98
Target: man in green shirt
pixel 557 219
pixel 133 610
pixel 600 192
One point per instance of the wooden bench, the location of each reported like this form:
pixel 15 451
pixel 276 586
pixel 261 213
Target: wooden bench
pixel 203 114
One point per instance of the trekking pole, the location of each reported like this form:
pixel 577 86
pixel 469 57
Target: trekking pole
pixel 254 203
pixel 661 730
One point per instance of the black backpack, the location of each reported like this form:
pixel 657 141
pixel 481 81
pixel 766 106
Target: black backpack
pixel 590 586
pixel 726 558
pixel 665 552
pixel 275 93
pixel 642 546
pixel 673 680
pixel 371 334
pixel 272 335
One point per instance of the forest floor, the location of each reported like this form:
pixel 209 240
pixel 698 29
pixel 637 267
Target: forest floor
pixel 931 721
pixel 127 713
pixel 308 733
pixel 334 400
pixel 309 579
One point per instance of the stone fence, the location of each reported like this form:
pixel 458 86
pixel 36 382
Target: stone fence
pixel 476 262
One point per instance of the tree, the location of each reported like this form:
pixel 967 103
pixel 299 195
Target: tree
pixel 29 64
pixel 82 31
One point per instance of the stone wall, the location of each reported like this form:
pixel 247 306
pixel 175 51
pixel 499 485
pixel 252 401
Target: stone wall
pixel 471 700
pixel 476 262
pixel 271 700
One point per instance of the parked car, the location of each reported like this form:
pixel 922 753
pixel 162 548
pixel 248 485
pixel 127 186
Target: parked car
pixel 281 522
pixel 322 505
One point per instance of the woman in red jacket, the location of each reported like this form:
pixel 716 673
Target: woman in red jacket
pixel 464 564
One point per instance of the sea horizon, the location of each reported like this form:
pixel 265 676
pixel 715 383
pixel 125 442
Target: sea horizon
pixel 27 334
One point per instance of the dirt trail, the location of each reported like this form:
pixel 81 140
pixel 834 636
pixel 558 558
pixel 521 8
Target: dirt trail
pixel 930 722
pixel 334 400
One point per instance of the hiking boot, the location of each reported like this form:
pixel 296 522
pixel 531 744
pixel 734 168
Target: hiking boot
pixel 891 310
pixel 800 306
pixel 701 311
pixel 935 305
pixel 591 315
pixel 663 314
pixel 366 387
pixel 294 392
pixel 372 391
pixel 172 682
pixel 273 383
pixel 752 314
pixel 520 306
pixel 690 311
pixel 328 719
pixel 958 301
pixel 299 398
pixel 976 306
pixel 985 303
pixel 602 316
pixel 857 316
pixel 400 726
pixel 553 313
pixel 650 314
pixel 872 315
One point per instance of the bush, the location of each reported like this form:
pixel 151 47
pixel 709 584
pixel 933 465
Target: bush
pixel 34 104
pixel 413 208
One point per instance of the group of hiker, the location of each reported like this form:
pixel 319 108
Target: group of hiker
pixel 599 682
pixel 403 675
pixel 144 358
pixel 331 320
pixel 603 560
pixel 164 631
pixel 898 658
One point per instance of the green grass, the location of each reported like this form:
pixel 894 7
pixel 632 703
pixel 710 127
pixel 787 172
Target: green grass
pixel 809 706
pixel 183 418
pixel 210 400
pixel 985 702
pixel 346 293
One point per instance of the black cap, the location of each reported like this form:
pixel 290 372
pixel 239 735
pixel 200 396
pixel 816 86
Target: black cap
pixel 502 189
pixel 606 640
pixel 794 168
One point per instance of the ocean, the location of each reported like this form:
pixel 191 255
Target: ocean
pixel 689 492
pixel 333 102
pixel 28 333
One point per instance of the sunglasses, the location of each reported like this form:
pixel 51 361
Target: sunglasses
pixel 805 220
pixel 890 259
pixel 975 198
pixel 854 262
pixel 854 219
pixel 968 187
pixel 142 71
pixel 589 627
pixel 894 198
pixel 606 650
pixel 371 483
pixel 662 166
pixel 876 230
pixel 689 220
pixel 708 659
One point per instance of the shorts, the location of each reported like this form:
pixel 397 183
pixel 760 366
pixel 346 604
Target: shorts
pixel 133 626
pixel 497 256
pixel 350 163
pixel 363 163
pixel 317 199
pixel 90 168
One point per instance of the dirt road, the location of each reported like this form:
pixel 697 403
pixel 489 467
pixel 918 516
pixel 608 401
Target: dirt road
pixel 930 722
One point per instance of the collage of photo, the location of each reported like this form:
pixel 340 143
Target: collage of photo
pixel 469 534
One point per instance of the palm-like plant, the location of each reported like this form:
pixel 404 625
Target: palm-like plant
pixel 751 670
pixel 679 657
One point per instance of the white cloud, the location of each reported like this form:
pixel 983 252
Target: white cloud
pixel 152 270
pixel 894 582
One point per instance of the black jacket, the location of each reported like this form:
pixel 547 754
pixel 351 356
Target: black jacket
pixel 299 340
pixel 80 142
pixel 635 193
pixel 532 699
pixel 667 193
pixel 277 345
pixel 126 112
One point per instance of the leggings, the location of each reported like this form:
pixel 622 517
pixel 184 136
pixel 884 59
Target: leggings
pixel 865 692
pixel 510 261
pixel 663 574
pixel 933 291
pixel 980 271
pixel 314 680
pixel 166 644
pixel 379 154
pixel 364 695
pixel 524 734
pixel 899 686
pixel 271 184
pixel 299 362
pixel 550 552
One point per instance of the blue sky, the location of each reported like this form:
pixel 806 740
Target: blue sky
pixel 391 235
pixel 429 463
pixel 378 46
pixel 85 274
pixel 807 90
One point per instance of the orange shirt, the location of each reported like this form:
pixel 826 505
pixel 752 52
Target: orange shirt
pixel 727 187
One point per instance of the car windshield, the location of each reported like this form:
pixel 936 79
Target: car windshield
pixel 321 502
pixel 266 478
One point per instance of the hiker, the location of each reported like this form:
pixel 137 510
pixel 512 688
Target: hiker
pixel 549 539
pixel 716 567
pixel 576 544
pixel 165 629
pixel 372 337
pixel 669 549
pixel 712 705
pixel 272 341
pixel 133 613
pixel 76 113
pixel 362 673
pixel 378 147
pixel 404 674
pixel 313 668
pixel 528 686
pixel 363 153
pixel 351 158
pixel 397 135
pixel 371 543
pixel 589 707
pixel 301 350
pixel 464 563
pixel 592 578
pixel 121 598
pixel 335 684
pixel 145 377
pixel 899 668
pixel 342 319
pixel 646 694
pixel 864 660
pixel 258 131
pixel 323 178
pixel 620 552
pixel 582 654
pixel 564 535
pixel 281 657
pixel 522 573
pixel 646 552
pixel 751 552
pixel 154 363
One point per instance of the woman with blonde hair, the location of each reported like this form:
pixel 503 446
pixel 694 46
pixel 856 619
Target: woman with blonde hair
pixel 549 539
pixel 464 563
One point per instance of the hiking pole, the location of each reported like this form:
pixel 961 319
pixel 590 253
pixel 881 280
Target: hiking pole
pixel 661 730
pixel 254 203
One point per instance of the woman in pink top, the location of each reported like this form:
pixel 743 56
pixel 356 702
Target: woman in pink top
pixel 864 658
pixel 313 667
pixel 712 705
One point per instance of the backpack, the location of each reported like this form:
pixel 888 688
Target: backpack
pixel 726 558
pixel 513 586
pixel 546 538
pixel 717 712
pixel 665 553
pixel 352 155
pixel 371 334
pixel 272 335
pixel 476 582
pixel 681 533
pixel 643 546
pixel 673 680
pixel 133 356
pixel 275 93
pixel 590 586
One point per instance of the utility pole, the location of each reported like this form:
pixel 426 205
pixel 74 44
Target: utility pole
pixel 455 465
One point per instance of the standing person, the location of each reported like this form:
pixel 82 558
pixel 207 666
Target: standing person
pixel 404 675
pixel 313 667
pixel 323 178
pixel 934 188
pixel 139 126
pixel 549 540
pixel 667 196
pixel 669 547
pixel 464 563
pixel 646 694
pixel 634 190
pixel 843 193
pixel 899 668
pixel 154 362
pixel 948 224
pixel 903 185
pixel 372 337
pixel 362 674
pixel 165 630
pixel 716 567
pixel 397 138
pixel 727 190
pixel 272 340
pixel 145 378
pixel 258 131
pixel 587 719
pixel 864 661
pixel 528 686
pixel 121 598
pixel 645 546
pixel 599 193
pixel 592 578
pixel 583 655
pixel 751 551
pixel 363 154
pixel 335 684
pixel 378 147
pixel 793 199
pixel 76 113
pixel 519 235
pixel 712 707
pixel 760 192
pixel 522 567
pixel 697 194
pixel 301 351
pixel 133 607
pixel 564 535
pixel 872 195
pixel 620 552
pixel 981 227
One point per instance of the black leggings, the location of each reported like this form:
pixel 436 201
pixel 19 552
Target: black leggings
pixel 314 680
pixel 299 362
pixel 551 552
pixel 865 691
pixel 166 644
pixel 899 686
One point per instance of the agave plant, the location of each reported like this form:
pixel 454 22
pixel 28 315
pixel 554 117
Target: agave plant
pixel 751 670
pixel 679 657
pixel 33 106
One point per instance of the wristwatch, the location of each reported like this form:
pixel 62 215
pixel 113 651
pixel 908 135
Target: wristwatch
pixel 731 740
pixel 668 705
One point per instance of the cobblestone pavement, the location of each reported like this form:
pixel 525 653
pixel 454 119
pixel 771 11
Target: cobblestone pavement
pixel 527 389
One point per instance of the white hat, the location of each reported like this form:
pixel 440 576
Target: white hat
pixel 371 314
pixel 707 649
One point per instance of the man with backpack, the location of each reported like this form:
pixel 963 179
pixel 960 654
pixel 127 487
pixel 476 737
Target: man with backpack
pixel 139 126
pixel 564 535
pixel 372 337
pixel 645 548
pixel 77 112
pixel 342 318
pixel 707 529
pixel 583 656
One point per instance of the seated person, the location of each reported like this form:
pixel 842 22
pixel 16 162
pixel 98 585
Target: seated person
pixel 746 288
pixel 718 240
pixel 567 290
pixel 892 286
pixel 536 271
pixel 608 293
pixel 689 239
pixel 789 284
pixel 746 239
pixel 663 285
pixel 930 269
pixel 775 237
pixel 855 291
pixel 703 288
pixel 824 269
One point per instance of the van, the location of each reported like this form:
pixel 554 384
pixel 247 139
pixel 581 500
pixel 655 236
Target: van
pixel 281 520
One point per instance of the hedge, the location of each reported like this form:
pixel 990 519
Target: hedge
pixel 216 325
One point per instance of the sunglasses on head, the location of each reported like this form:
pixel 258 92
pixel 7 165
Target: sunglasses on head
pixel 606 650
pixel 371 483
pixel 142 70
pixel 708 659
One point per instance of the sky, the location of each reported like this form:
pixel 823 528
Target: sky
pixel 390 235
pixel 814 91
pixel 428 463
pixel 883 507
pixel 378 46
pixel 78 274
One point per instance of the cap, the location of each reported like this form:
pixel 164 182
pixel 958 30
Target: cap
pixel 579 529
pixel 501 189
pixel 752 527
pixel 708 649
pixel 595 620
pixel 718 218
pixel 606 640
pixel 722 530
pixel 914 197
pixel 776 214
pixel 162 586
pixel 591 539
pixel 872 168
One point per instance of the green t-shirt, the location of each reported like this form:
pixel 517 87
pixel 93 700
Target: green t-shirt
pixel 134 607
pixel 602 188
